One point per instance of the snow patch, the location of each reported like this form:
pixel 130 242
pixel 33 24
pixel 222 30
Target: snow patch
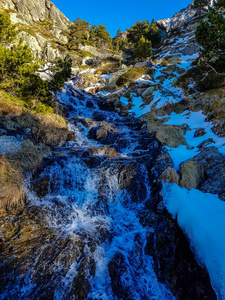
pixel 201 217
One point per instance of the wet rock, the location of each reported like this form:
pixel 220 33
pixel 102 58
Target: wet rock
pixel 162 162
pixel 97 133
pixel 199 132
pixel 102 135
pixel 81 285
pixel 93 161
pixel 99 116
pixel 89 104
pixel 117 268
pixel 172 255
pixel 41 186
pixel 106 150
pixel 132 177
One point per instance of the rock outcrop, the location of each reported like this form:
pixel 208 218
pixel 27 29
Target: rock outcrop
pixel 35 11
pixel 41 25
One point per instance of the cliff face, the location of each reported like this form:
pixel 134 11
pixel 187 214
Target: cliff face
pixel 34 11
pixel 183 16
pixel 41 25
pixel 179 18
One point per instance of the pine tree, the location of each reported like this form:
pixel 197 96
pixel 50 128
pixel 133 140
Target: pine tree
pixel 7 30
pixel 148 31
pixel 201 6
pixel 143 49
pixel 100 36
pixel 210 34
pixel 79 34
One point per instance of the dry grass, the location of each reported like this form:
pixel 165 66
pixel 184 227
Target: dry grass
pixel 218 108
pixel 170 175
pixel 192 174
pixel 132 75
pixel 30 156
pixel 10 105
pixel 52 120
pixel 12 192
pixel 108 68
pixel 50 129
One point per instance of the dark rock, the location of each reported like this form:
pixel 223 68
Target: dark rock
pixel 132 178
pixel 102 135
pixel 89 104
pixel 206 143
pixel 97 133
pixel 199 132
pixel 172 255
pixel 41 186
pixel 117 267
pixel 99 116
pixel 93 161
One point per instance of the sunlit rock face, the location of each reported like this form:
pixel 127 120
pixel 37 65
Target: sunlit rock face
pixel 36 11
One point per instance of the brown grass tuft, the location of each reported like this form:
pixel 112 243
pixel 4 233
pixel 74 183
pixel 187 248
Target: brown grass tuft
pixel 192 174
pixel 10 105
pixel 170 175
pixel 12 192
pixel 30 156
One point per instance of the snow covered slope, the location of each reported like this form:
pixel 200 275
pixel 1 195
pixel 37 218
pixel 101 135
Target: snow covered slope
pixel 183 16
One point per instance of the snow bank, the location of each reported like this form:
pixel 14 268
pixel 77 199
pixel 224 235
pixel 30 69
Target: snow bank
pixel 194 120
pixel 202 218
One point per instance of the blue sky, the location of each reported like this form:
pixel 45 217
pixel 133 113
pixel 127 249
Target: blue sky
pixel 119 13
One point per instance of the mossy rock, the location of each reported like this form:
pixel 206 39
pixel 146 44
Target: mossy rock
pixel 171 136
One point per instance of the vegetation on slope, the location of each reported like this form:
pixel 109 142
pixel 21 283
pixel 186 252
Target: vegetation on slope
pixel 26 106
pixel 210 34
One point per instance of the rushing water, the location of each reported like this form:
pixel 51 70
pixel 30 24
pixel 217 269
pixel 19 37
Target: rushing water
pixel 87 204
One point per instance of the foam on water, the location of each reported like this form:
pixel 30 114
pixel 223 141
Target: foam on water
pixel 86 203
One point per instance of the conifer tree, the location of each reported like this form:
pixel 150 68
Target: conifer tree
pixel 210 34
pixel 143 49
pixel 201 6
pixel 7 30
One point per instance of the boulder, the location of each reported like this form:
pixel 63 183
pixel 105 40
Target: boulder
pixel 41 186
pixel 148 91
pixel 199 132
pixel 102 135
pixel 171 136
pixel 205 171
pixel 192 174
pixel 206 143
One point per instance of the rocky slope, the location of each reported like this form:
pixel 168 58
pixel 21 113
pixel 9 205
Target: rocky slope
pixel 183 16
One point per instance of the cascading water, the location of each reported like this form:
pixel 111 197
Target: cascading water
pixel 89 235
pixel 85 203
